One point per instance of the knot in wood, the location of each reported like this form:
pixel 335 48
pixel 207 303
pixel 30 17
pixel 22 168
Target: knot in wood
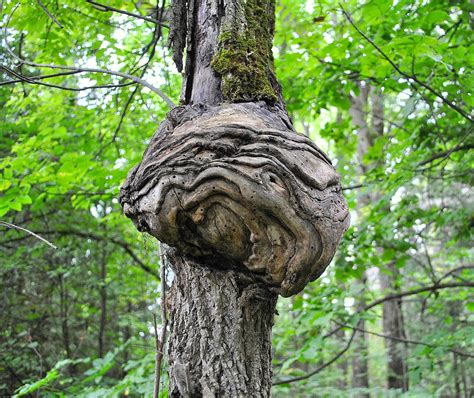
pixel 235 186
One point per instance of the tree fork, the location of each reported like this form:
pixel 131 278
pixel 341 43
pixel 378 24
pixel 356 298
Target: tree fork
pixel 249 208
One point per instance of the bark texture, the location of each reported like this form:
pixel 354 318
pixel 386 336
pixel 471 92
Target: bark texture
pixel 222 324
pixel 228 48
pixel 234 186
pixel 250 208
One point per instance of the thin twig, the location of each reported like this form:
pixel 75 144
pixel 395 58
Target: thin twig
pixel 13 226
pixel 164 319
pixel 403 340
pixel 23 78
pixel 323 366
pixel 84 69
pixel 53 18
pixel 103 7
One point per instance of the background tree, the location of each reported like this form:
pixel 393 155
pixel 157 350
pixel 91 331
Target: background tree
pixel 64 155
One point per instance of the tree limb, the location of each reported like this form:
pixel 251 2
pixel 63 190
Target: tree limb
pixel 412 292
pixel 84 69
pixel 446 154
pixel 23 78
pixel 103 7
pixel 366 308
pixel 87 235
pixel 404 340
pixel 323 366
pixel 37 236
pixel 51 16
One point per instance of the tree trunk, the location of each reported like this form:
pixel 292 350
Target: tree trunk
pixel 360 365
pixel 103 303
pixel 220 343
pixel 250 208
pixel 393 325
pixel 221 340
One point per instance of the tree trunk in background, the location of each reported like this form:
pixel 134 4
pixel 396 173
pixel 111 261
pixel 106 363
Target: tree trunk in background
pixel 393 324
pixel 360 367
pixel 103 302
pixel 392 310
pixel 220 342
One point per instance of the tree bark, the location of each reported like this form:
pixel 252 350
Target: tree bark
pixel 393 322
pixel 250 208
pixel 221 321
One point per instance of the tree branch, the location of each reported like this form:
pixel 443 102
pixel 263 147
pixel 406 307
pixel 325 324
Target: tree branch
pixel 27 79
pixel 87 235
pixel 412 292
pixel 404 340
pixel 84 69
pixel 323 366
pixel 37 236
pixel 103 7
pixel 404 74
pixel 51 16
pixel 446 154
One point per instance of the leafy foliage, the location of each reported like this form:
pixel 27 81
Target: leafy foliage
pixel 78 320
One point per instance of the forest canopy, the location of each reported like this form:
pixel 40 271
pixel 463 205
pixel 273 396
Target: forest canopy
pixel 385 88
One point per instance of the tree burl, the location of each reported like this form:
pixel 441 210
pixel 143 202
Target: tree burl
pixel 235 187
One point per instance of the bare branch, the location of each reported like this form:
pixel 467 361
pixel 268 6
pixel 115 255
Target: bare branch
pixel 103 7
pixel 412 292
pixel 34 80
pixel 405 340
pixel 445 154
pixel 323 366
pixel 84 69
pixel 53 18
pixel 87 235
pixel 8 225
pixel 366 308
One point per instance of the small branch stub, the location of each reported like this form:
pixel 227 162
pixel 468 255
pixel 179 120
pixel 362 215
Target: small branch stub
pixel 236 187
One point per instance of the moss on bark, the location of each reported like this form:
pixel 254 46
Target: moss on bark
pixel 244 59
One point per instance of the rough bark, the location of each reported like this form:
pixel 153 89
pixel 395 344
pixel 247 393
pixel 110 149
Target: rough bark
pixel 250 208
pixel 228 48
pixel 221 345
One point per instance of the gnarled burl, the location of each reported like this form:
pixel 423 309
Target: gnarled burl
pixel 236 187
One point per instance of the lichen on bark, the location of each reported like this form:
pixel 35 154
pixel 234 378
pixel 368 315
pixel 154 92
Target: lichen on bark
pixel 244 58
